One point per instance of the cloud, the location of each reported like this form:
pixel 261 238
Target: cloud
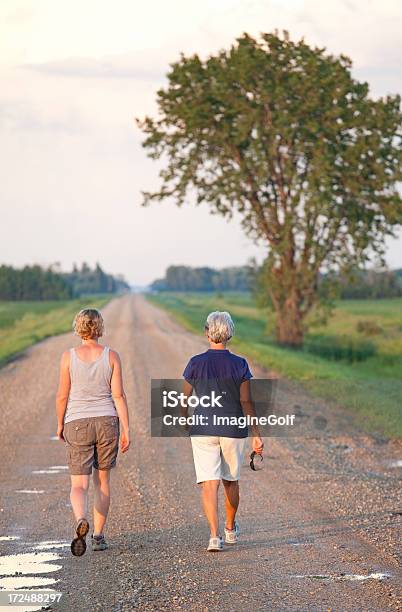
pixel 127 66
pixel 367 31
pixel 18 115
pixel 20 15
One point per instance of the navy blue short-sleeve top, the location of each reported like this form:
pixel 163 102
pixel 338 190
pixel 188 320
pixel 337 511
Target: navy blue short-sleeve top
pixel 224 371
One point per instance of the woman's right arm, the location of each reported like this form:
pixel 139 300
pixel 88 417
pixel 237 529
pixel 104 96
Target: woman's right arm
pixel 120 401
pixel 63 392
pixel 186 392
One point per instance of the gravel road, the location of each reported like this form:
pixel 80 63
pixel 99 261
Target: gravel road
pixel 320 523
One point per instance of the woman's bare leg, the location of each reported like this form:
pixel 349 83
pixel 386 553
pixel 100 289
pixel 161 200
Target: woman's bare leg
pixel 101 480
pixel 231 501
pixel 209 496
pixel 79 495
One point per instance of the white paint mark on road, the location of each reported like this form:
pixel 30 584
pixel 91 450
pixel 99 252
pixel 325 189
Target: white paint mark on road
pixel 33 491
pixel 8 538
pixel 54 438
pixel 51 544
pixel 373 576
pixel 350 577
pixel 395 464
pixel 53 469
pixel 21 582
pixel 29 563
pixel 45 472
pixel 315 576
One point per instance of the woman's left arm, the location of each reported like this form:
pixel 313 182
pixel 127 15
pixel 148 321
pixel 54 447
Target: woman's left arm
pixel 248 408
pixel 63 392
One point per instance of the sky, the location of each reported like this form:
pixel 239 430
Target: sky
pixel 76 73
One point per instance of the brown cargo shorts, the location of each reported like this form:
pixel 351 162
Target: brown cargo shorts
pixel 91 442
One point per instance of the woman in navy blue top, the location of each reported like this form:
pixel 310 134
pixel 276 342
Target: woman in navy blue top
pixel 218 438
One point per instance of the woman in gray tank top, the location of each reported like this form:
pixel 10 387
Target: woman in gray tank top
pixel 92 411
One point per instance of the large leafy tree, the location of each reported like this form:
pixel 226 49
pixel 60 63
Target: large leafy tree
pixel 282 133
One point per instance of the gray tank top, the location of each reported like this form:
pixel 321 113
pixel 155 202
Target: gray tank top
pixel 90 391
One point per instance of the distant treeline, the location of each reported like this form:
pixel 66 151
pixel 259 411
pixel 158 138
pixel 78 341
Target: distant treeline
pixel 38 283
pixel 85 281
pixel 370 284
pixel 359 284
pixel 185 278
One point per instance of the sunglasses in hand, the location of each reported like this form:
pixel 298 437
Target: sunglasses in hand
pixel 256 461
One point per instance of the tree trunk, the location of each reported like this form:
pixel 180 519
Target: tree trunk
pixel 287 293
pixel 289 323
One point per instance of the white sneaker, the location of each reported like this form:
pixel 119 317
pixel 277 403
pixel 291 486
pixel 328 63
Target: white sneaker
pixel 215 544
pixel 232 535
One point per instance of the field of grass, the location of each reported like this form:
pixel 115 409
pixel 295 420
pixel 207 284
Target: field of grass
pixel 24 323
pixel 371 389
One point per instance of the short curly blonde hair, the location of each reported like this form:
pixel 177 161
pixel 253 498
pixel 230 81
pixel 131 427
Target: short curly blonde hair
pixel 88 323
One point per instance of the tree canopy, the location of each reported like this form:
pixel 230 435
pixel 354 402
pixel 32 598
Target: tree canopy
pixel 282 133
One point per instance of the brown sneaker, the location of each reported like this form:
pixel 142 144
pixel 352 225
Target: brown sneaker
pixel 99 542
pixel 78 545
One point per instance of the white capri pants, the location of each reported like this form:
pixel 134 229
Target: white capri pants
pixel 217 457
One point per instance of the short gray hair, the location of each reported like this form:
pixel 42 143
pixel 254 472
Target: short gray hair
pixel 219 326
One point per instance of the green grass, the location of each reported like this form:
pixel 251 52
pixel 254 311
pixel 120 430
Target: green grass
pixel 371 389
pixel 25 323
